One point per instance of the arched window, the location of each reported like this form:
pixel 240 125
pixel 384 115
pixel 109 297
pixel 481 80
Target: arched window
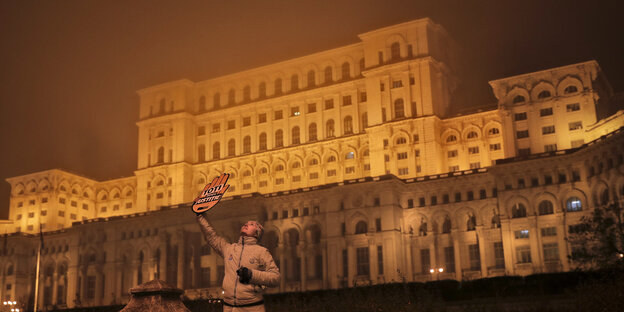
pixel 263 170
pixel 216 100
pixel 365 153
pixel 346 70
pixel 399 111
pixel 247 144
pixel 401 140
pixel 395 51
pixel 574 204
pixel 472 135
pixel 201 153
pixel 544 94
pixel 361 227
pixel 246 93
pixel 294 82
pixel 518 99
pixel 313 162
pixel 604 197
pixel 161 155
pixel 348 125
pixel 311 79
pixel 216 150
pixel 518 211
pixel 278 86
pixel 279 138
pixel 202 103
pixel 312 132
pixel 545 207
pixel 9 270
pixel 350 155
pixel 329 128
pixel 279 167
pixel 295 135
pixel 295 165
pixel 231 97
pixel 446 226
pixel 161 108
pixel 231 147
pixel 328 74
pixel 471 223
pixel 331 158
pixel 451 138
pixel 262 142
pixel 493 131
pixel 570 89
pixel 262 90
pixel 364 120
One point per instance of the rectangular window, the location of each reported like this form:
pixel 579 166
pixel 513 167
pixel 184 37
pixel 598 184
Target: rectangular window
pixel 495 147
pixel 386 158
pixel 573 107
pixel 577 125
pixel 499 255
pixel 72 216
pixel 403 171
pixel 397 84
pixel 296 178
pixel 457 197
pixel 452 153
pixel 548 129
pixel 216 128
pixel 363 97
pixel 576 176
pixel 410 203
pixel 313 175
pixel 262 184
pixel 416 153
pixel 20 204
pixel 262 118
pixel 445 198
pixel 470 195
pixel 19 216
pixel 550 147
pixel 85 206
pixel 473 150
pixel 329 103
pixel 378 224
pixel 116 207
pixel 421 202
pixel 402 155
pixel 331 173
pixel 346 100
pixel 31 202
pixel 363 265
pixel 382 87
pixel 366 167
pixel 284 214
pixel 74 203
pixel 90 289
pixel 61 213
pixel 520 116
pixel 524 152
pixel 425 261
pixel 551 252
pixel 294 111
pixel 103 209
pixel 31 215
pixel 418 169
pixel 201 130
pixel 453 168
pixel 522 134
pixel 434 200
pixel 523 254
pixel 350 170
pixel 246 121
pixel 549 231
pixel 449 259
pixel 311 108
pixel 475 165
pixel 277 115
pixel 380 267
pixel 546 111
pixel 231 124
pixel 160 195
pixel 345 263
pixel 295 213
pixel 521 234
pixel 279 181
pixel 246 186
pixel 475 257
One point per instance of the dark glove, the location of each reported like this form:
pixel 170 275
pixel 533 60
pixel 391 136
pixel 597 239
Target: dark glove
pixel 244 275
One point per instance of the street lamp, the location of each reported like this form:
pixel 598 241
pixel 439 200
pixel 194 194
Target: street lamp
pixel 439 270
pixel 11 304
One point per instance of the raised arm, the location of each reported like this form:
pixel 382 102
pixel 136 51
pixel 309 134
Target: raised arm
pixel 217 242
pixel 270 277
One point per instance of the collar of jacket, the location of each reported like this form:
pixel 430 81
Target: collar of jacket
pixel 249 240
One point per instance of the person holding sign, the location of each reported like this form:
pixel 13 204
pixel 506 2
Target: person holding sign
pixel 249 267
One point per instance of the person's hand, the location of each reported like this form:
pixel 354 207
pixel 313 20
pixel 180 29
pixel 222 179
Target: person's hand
pixel 244 275
pixel 211 194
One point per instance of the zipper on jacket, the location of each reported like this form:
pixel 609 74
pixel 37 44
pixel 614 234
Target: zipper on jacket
pixel 239 265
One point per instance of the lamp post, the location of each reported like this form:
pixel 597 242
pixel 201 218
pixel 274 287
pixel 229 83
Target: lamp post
pixel 434 271
pixel 10 306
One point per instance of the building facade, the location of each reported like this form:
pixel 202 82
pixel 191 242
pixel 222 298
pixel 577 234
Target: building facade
pixel 350 158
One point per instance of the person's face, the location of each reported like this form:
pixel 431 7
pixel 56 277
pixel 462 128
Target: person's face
pixel 249 229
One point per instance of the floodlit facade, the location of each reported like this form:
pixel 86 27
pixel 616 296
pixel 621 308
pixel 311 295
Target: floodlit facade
pixel 354 163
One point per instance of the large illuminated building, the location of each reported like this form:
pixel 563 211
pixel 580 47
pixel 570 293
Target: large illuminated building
pixel 352 159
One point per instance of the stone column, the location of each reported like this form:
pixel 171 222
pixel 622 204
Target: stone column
pixel 506 236
pixel 180 243
pixel 482 247
pixel 458 258
pixel 562 243
pixel 304 276
pixel 409 267
pixel 536 258
pixel 54 286
pixel 351 263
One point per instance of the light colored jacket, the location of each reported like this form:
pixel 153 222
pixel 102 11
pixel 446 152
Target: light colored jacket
pixel 245 253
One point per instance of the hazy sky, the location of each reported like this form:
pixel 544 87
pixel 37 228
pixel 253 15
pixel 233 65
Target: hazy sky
pixel 69 70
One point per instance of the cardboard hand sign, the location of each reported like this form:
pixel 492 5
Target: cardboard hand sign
pixel 212 194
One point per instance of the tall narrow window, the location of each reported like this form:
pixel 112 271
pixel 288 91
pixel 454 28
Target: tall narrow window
pixel 278 86
pixel 201 153
pixel 279 138
pixel 380 266
pixel 216 150
pixel 294 83
pixel 216 100
pixel 363 262
pixel 395 51
pixel 346 70
pixel 231 97
pixel 475 257
pixel 262 90
pixel 262 141
pixel 328 75
pixel 246 93
pixel 202 103
pixel 161 155
pixel 399 110
pixel 311 79
pixel 348 125
pixel 449 259
pixel 231 147
pixel 329 128
pixel 295 135
pixel 425 261
pixel 247 144
pixel 312 132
